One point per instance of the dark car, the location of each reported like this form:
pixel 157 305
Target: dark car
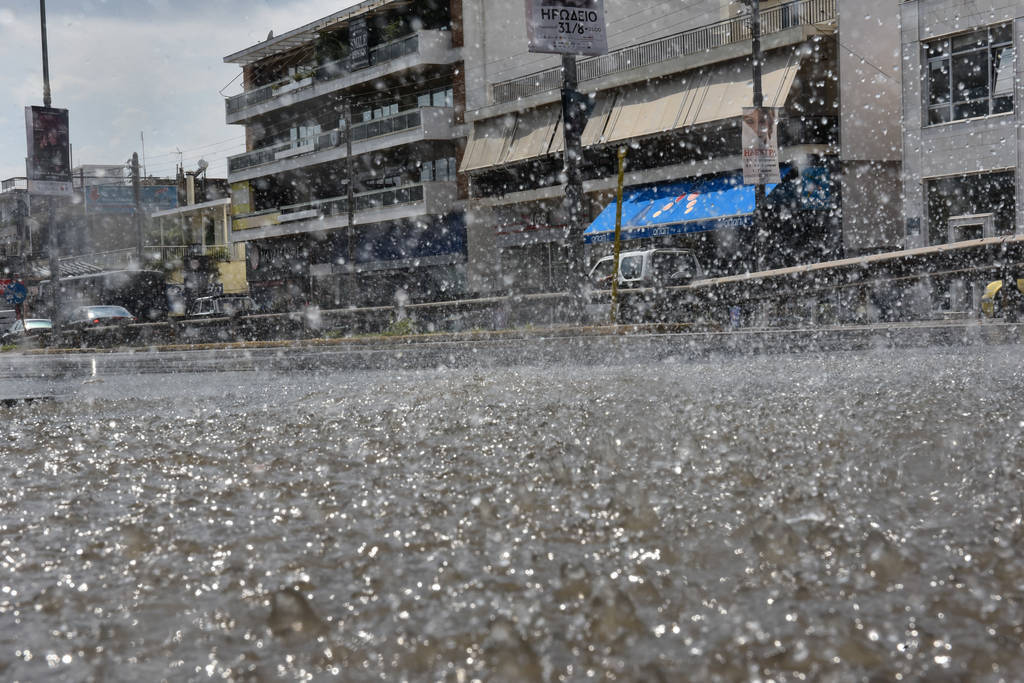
pixel 223 305
pixel 90 316
pixel 20 331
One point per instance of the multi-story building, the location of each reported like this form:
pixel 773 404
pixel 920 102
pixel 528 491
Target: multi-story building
pixel 347 193
pixel 671 90
pixel 17 241
pixel 962 105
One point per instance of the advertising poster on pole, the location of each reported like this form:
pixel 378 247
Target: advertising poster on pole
pixel 49 151
pixel 568 27
pixel 760 146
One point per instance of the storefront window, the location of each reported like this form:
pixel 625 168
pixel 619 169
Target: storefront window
pixel 970 75
pixel 970 195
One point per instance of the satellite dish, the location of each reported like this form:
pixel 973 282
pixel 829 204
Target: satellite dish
pixel 203 164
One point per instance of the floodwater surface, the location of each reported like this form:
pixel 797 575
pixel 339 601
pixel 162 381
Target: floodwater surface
pixel 835 517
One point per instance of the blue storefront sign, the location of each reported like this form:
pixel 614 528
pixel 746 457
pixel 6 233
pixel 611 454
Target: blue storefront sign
pixel 120 199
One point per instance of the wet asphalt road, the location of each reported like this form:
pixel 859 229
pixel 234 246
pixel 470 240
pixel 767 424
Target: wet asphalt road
pixel 530 513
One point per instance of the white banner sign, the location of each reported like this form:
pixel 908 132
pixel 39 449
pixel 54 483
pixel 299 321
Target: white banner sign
pixel 569 27
pixel 760 146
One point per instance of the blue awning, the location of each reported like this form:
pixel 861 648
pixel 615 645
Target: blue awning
pixel 677 208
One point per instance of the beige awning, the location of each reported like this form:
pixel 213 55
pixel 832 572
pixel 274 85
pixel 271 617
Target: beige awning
pixel 698 97
pixel 594 131
pixel 488 143
pixel 533 134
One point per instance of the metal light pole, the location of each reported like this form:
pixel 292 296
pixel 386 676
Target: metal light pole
pixel 755 58
pixel 572 125
pixel 51 202
pixel 46 59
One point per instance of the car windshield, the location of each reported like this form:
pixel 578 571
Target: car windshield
pixel 107 312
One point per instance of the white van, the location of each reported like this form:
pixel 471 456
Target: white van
pixel 648 268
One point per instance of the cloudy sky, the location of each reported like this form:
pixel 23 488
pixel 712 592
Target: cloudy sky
pixel 129 70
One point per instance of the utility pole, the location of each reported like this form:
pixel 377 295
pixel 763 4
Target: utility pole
pixel 46 59
pixel 573 120
pixel 137 195
pixel 349 190
pixel 51 202
pixel 759 190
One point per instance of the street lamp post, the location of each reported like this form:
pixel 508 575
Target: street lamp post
pixel 51 209
pixel 573 120
pixel 755 58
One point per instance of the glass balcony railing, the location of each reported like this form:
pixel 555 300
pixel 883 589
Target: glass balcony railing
pixel 363 201
pixel 327 140
pixel 379 54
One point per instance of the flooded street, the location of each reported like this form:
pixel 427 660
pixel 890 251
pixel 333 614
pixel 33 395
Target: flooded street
pixel 839 517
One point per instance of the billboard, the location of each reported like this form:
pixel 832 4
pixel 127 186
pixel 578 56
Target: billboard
pixel 48 164
pixel 570 27
pixel 120 199
pixel 359 44
pixel 760 146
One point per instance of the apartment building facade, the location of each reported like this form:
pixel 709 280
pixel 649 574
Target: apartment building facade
pixel 671 90
pixel 347 193
pixel 962 146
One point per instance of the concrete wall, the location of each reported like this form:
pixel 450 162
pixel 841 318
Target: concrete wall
pixel 495 35
pixel 870 136
pixel 966 146
pixel 869 81
pixel 872 220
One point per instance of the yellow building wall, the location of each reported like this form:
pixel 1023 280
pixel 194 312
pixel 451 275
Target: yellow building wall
pixel 232 276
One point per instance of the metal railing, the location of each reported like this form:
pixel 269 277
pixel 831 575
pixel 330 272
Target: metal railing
pixel 379 54
pixel 328 139
pixel 694 41
pixel 337 206
pixel 168 254
pixel 18 183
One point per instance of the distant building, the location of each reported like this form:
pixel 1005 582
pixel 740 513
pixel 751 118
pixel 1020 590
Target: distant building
pixel 347 193
pixel 18 239
pixel 962 145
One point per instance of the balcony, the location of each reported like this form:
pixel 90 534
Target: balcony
pixel 423 47
pixel 407 201
pixel 695 41
pixel 12 184
pixel 424 123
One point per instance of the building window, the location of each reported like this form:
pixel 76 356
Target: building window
pixel 970 195
pixel 443 97
pixel 381 112
pixel 970 75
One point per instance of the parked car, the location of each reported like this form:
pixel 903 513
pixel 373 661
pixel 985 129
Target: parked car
pixel 90 316
pixel 222 306
pixel 648 268
pixel 992 299
pixel 20 331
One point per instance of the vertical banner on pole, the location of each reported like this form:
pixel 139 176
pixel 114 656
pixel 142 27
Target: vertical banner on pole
pixel 49 151
pixel 760 146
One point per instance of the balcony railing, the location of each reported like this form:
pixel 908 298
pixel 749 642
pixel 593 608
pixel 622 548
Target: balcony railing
pixel 337 206
pixel 736 30
pixel 327 140
pixel 378 55
pixel 10 184
pixel 128 258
